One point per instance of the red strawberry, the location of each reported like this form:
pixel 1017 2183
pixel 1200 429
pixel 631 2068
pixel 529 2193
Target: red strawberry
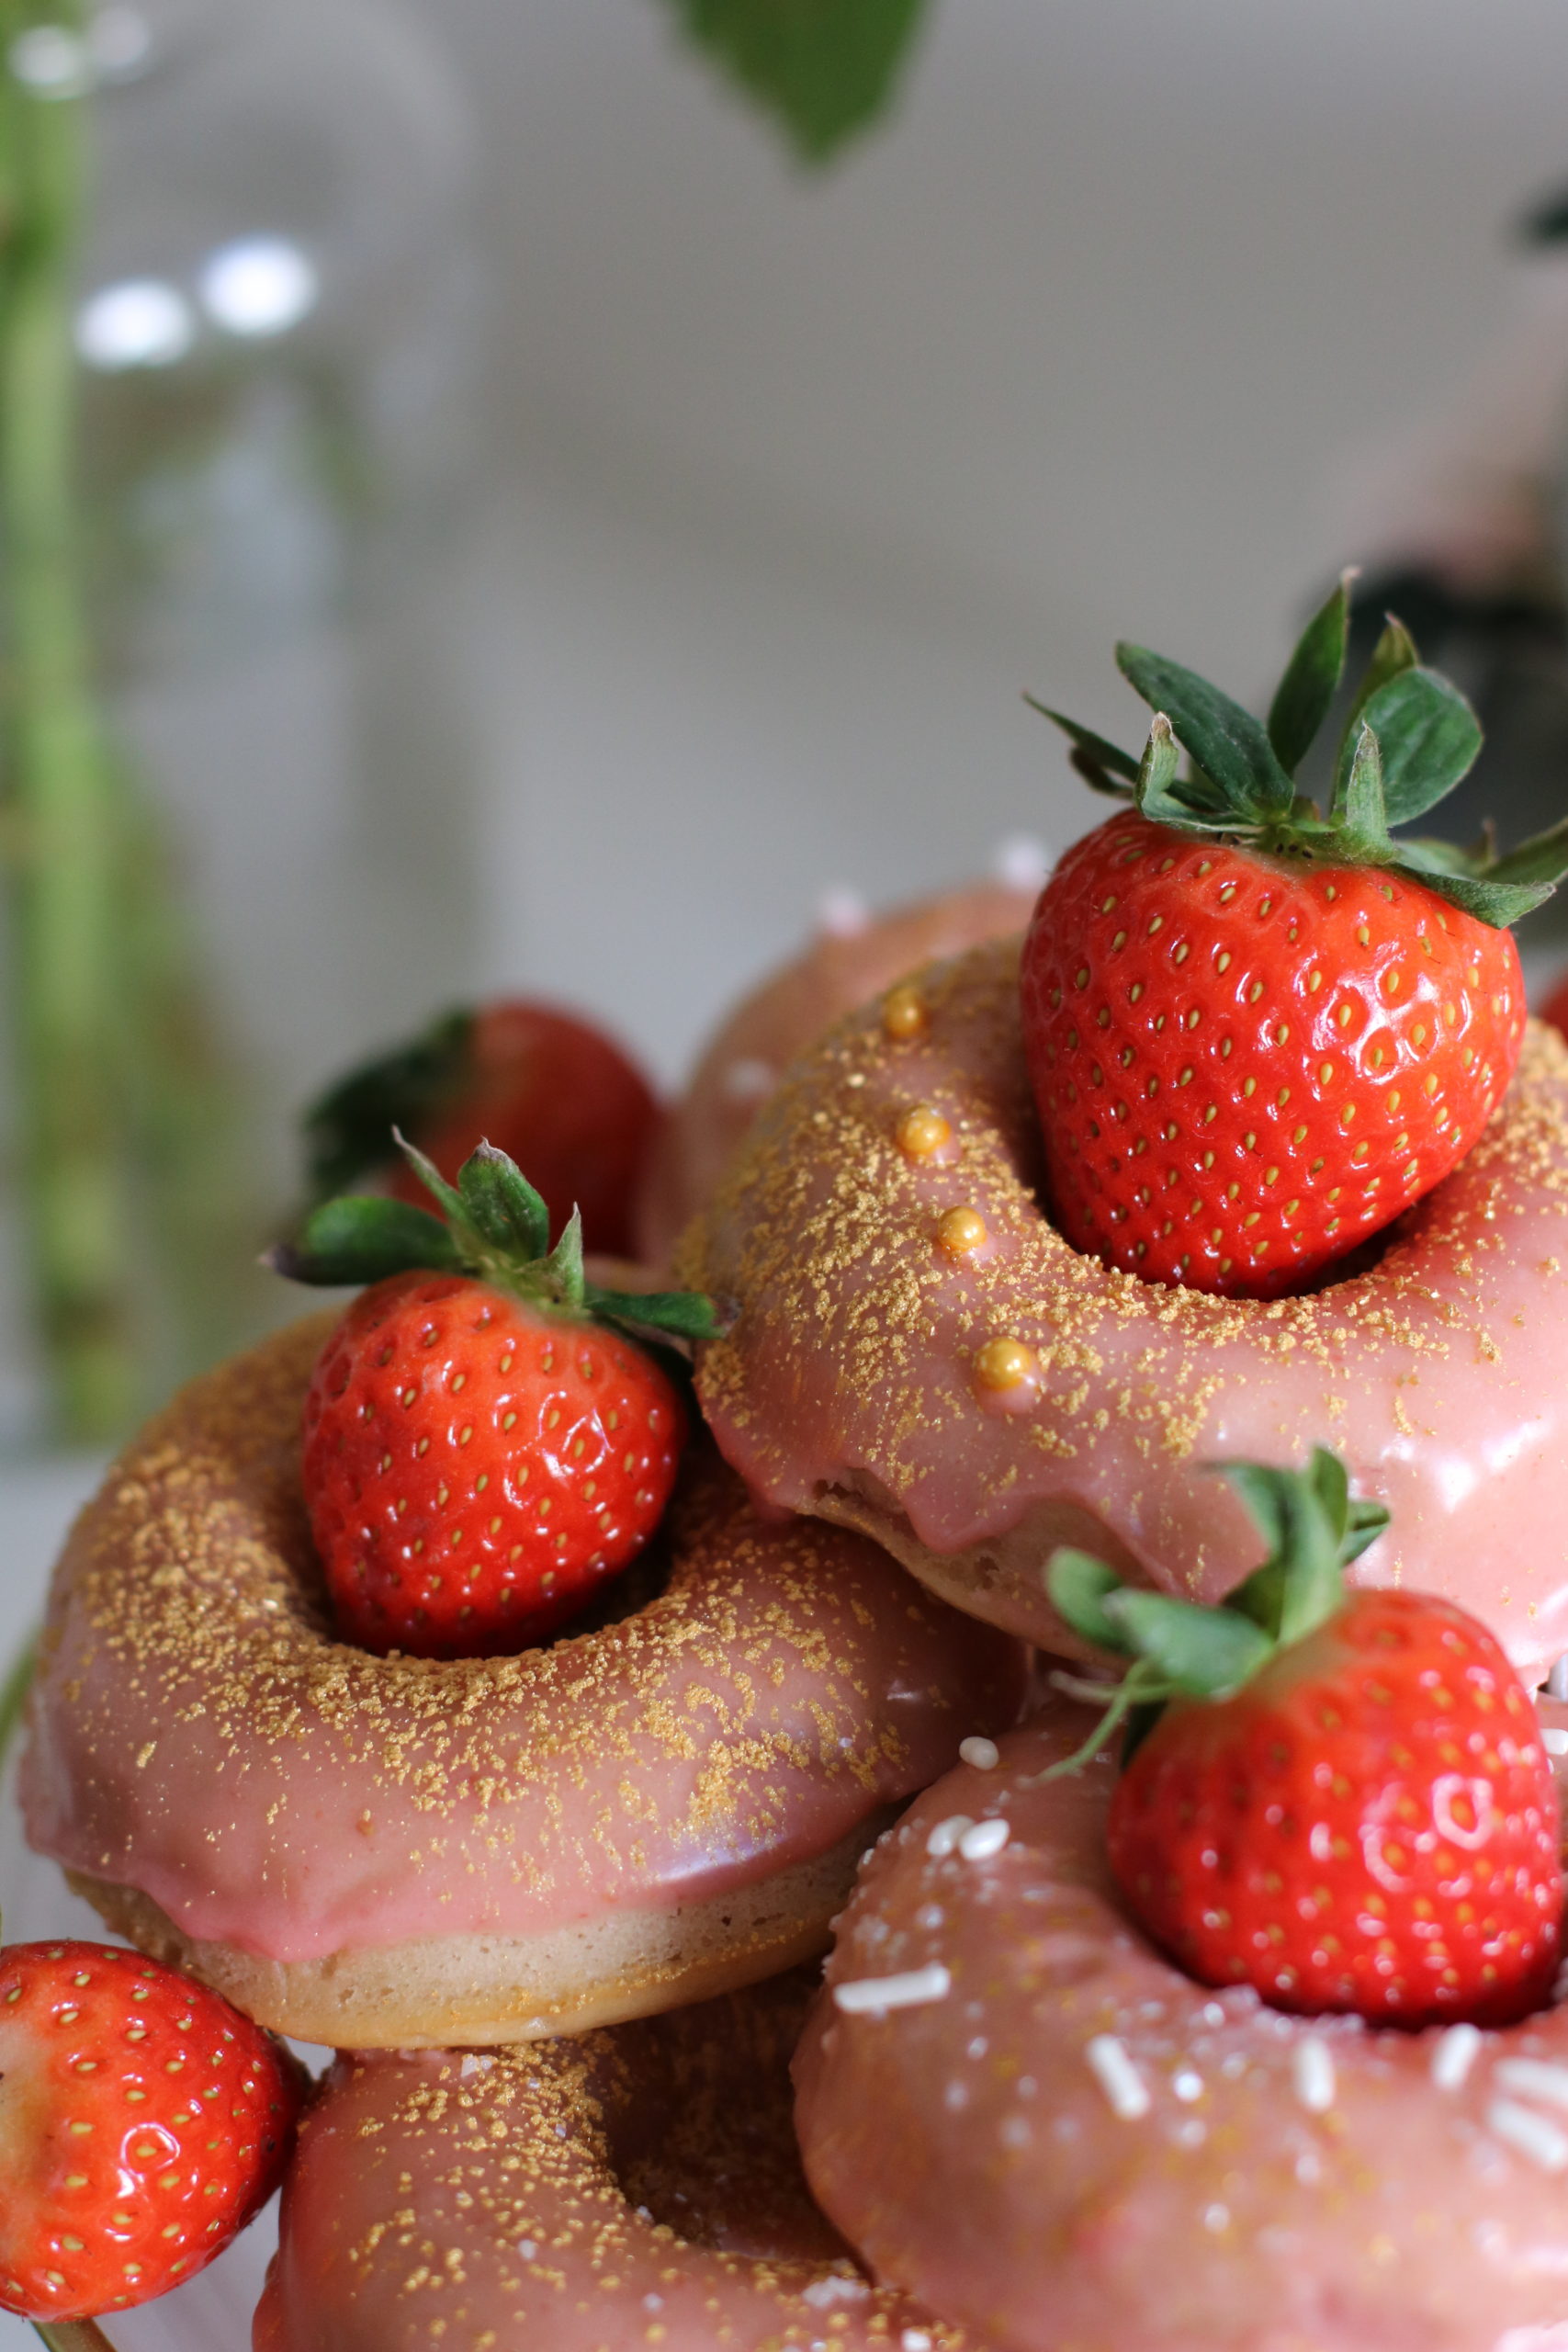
pixel 143 2123
pixel 1555 1009
pixel 1344 1802
pixel 1257 1033
pixel 549 1089
pixel 483 1442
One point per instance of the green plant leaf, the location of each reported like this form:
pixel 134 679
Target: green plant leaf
pixel 1543 859
pixel 1365 1522
pixel 561 1272
pixel 430 1176
pixel 501 1205
pixel 1202 1651
pixel 363 1238
pixel 1428 737
pixel 1305 694
pixel 823 69
pixel 1078 1584
pixel 348 1129
pixel 1357 811
pixel 686 1313
pixel 1498 903
pixel 1098 761
pixel 1331 1485
pixel 1156 793
pixel 1227 743
pixel 1394 651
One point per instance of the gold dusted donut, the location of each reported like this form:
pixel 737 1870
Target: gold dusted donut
pixel 377 1851
pixel 917 1353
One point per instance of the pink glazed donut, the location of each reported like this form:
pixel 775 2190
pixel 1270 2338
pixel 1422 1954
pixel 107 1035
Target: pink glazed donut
pixel 917 1353
pixel 640 2186
pixel 1018 2110
pixel 846 963
pixel 373 1851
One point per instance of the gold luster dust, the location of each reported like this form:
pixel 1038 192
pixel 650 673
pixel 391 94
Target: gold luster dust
pixel 904 1013
pixel 1005 1363
pixel 962 1231
pixel 922 1131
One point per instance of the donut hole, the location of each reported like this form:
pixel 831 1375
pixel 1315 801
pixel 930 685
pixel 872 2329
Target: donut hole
pixel 698 2117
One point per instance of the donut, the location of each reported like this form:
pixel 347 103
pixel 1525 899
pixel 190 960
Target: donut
pixel 847 961
pixel 374 1851
pixel 1018 2110
pixel 916 1353
pixel 638 2187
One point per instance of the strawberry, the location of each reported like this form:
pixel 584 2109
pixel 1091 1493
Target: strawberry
pixel 1340 1799
pixel 483 1441
pixel 1257 1033
pixel 1555 1009
pixel 551 1089
pixel 143 2123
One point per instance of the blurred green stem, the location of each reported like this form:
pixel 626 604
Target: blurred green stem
pixel 60 812
pixel 73 2335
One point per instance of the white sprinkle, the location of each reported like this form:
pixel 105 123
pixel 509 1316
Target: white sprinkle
pixel 824 2291
pixel 1534 2078
pixel 841 913
pixel 915 2339
pixel 527 2248
pixel 1554 1739
pixel 985 1754
pixel 475 2062
pixel 1313 2068
pixel 653 2303
pixel 1124 2088
pixel 1187 2085
pixel 986 1839
pixel 1021 862
pixel 946 1834
pixel 1216 2218
pixel 874 1996
pixel 1454 2056
pixel 749 1080
pixel 1530 2133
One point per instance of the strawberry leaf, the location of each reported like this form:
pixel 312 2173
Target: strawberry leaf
pixel 685 1314
pixel 348 1130
pixel 363 1239
pixel 1229 745
pixel 1305 694
pixel 1428 736
pixel 1204 1652
pixel 1099 762
pixel 1394 651
pixel 1078 1584
pixel 501 1204
pixel 1543 859
pixel 1362 831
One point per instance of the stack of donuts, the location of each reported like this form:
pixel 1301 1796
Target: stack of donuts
pixel 560 1909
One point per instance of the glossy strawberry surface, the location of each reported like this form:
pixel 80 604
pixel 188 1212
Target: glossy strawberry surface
pixel 142 2122
pixel 474 1465
pixel 1370 1824
pixel 1246 1065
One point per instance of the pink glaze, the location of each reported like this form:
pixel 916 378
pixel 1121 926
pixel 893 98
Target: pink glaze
pixel 851 1383
pixel 747 1057
pixel 1077 2149
pixel 198 1736
pixel 639 2186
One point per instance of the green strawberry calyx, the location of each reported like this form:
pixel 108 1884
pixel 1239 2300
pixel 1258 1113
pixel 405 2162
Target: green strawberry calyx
pixel 1180 1649
pixel 1410 737
pixel 348 1128
pixel 496 1229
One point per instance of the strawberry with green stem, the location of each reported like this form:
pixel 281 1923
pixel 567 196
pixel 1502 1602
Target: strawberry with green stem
pixel 1258 1030
pixel 488 1434
pixel 551 1089
pixel 1340 1798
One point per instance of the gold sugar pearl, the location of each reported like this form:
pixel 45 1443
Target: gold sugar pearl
pixel 904 1014
pixel 961 1231
pixel 922 1131
pixel 1004 1363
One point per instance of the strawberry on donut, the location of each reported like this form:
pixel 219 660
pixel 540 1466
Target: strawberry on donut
pixel 1019 2104
pixel 288 1728
pixel 638 2187
pixel 933 1331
